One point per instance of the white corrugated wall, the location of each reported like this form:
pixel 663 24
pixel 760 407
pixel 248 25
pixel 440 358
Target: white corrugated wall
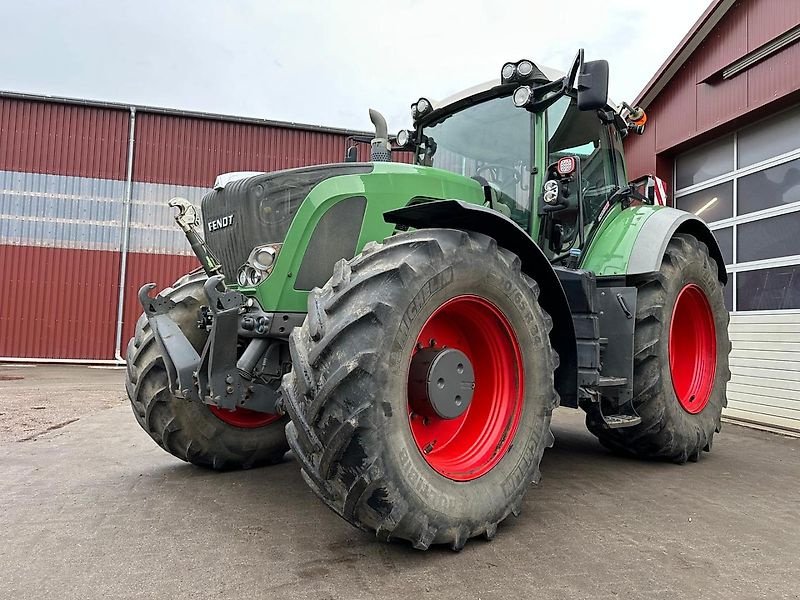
pixel 765 369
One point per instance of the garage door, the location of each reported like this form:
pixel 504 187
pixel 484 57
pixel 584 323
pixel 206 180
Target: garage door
pixel 747 187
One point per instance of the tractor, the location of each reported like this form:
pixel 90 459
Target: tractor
pixel 408 329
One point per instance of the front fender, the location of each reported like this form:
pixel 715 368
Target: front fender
pixel 456 214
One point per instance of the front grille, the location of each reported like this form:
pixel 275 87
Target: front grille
pixel 259 209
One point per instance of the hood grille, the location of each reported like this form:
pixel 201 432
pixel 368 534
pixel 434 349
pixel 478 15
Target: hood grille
pixel 259 209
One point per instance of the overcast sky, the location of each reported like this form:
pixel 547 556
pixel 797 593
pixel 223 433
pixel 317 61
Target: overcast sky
pixel 320 62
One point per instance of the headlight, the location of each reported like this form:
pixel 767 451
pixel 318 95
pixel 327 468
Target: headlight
pixel 249 277
pixel 254 276
pixel 522 95
pixel 258 266
pixel 264 258
pixel 403 138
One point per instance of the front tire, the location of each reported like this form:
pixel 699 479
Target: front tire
pixel 373 451
pixel 681 349
pixel 192 431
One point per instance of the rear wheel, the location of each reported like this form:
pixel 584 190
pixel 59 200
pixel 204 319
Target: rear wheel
pixel 681 349
pixel 192 431
pixel 422 388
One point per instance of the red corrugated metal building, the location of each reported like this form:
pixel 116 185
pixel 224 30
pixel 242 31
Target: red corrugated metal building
pixel 83 191
pixel 724 130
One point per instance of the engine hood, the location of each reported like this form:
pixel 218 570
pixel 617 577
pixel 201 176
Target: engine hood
pixel 249 209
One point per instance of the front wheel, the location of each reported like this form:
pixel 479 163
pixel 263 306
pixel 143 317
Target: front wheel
pixel 422 388
pixel 681 349
pixel 192 431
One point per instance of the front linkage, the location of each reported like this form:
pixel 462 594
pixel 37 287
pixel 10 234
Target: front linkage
pixel 216 376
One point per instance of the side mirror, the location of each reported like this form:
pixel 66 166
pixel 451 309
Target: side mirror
pixel 592 85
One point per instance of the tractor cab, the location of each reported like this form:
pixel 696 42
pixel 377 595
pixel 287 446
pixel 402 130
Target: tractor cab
pixel 545 145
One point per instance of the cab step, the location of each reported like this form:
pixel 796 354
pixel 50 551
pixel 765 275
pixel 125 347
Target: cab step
pixel 612 381
pixel 620 421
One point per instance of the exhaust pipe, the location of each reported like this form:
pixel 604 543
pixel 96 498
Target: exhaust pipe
pixel 379 146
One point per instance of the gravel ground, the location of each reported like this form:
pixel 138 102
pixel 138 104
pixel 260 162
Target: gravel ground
pixel 39 398
pixel 94 509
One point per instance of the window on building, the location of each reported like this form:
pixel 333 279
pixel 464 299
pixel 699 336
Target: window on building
pixel 704 163
pixel 711 204
pixel 774 237
pixel 753 209
pixel 777 186
pixel 767 139
pixel 777 288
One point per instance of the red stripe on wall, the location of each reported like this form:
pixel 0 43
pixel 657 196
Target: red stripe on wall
pixel 62 303
pixel 193 151
pixel 61 139
pixel 57 303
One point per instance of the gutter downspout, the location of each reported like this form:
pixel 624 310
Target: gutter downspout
pixel 126 234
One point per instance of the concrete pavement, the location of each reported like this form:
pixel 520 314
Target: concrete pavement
pixel 95 510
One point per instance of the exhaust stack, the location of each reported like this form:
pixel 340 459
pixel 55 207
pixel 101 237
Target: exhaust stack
pixel 379 146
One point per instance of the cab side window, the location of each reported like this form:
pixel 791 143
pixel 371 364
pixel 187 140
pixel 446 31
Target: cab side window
pixel 571 132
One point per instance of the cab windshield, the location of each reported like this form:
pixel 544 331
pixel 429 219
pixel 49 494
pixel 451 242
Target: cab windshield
pixel 491 142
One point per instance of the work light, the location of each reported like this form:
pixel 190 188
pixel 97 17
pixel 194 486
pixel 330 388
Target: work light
pixel 522 96
pixel 420 108
pixel 507 72
pixel 550 191
pixel 524 68
pixel 403 138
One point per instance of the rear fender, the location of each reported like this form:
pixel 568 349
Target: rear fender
pixel 633 241
pixel 658 230
pixel 456 214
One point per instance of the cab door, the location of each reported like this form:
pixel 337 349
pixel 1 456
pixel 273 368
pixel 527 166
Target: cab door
pixel 598 148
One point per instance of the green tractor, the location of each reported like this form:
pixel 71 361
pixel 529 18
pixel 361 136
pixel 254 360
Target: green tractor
pixel 408 329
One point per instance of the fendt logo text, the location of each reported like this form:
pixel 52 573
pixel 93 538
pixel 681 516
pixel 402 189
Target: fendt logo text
pixel 220 223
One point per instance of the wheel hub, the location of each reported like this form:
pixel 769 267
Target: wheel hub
pixel 441 382
pixel 467 348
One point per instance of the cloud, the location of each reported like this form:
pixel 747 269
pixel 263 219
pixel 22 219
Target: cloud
pixel 319 62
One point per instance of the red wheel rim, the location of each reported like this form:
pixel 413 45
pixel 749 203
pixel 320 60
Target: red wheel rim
pixel 243 417
pixel 692 349
pixel 468 446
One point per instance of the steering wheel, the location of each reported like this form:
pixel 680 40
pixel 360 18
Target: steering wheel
pixel 500 174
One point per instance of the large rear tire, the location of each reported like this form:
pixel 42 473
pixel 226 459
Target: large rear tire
pixel 368 444
pixel 681 349
pixel 192 431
